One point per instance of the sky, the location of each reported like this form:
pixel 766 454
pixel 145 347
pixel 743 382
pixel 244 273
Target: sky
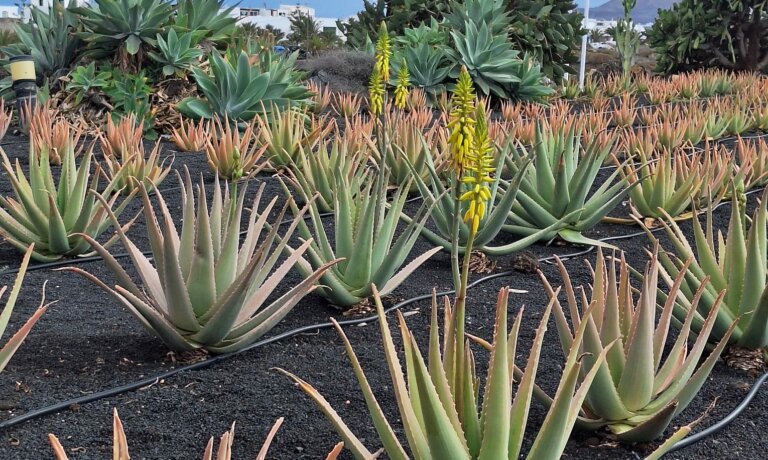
pixel 323 8
pixel 344 8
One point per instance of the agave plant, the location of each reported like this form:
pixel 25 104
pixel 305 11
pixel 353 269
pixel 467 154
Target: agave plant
pixel 238 90
pixel 444 422
pixel 176 54
pixel 488 57
pixel 125 29
pixel 662 184
pixel 206 289
pixel 736 263
pixel 209 20
pixel 7 351
pixel 639 388
pixel 555 195
pixel 58 218
pixel 429 68
pixel 134 167
pixel 232 155
pixel 367 241
pixel 191 137
pixel 50 37
pixel 224 452
pixel 316 174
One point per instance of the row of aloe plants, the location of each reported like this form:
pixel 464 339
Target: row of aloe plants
pixel 205 287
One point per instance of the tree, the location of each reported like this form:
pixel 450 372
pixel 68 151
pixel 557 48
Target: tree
pixel 730 34
pixel 307 33
pixel 398 14
pixel 303 29
pixel 549 30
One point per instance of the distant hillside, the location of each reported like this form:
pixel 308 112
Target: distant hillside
pixel 643 13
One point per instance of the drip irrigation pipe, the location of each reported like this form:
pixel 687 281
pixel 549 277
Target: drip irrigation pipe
pixel 148 381
pixel 709 431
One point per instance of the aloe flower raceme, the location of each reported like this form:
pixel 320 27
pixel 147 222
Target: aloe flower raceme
pixel 663 184
pixel 403 82
pixel 439 425
pixel 55 216
pixel 224 452
pixel 502 194
pixel 737 263
pixel 367 241
pixel 639 388
pixel 206 289
pixel 315 173
pixel 13 344
pixel 555 195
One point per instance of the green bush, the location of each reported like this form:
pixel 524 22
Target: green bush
pixel 711 33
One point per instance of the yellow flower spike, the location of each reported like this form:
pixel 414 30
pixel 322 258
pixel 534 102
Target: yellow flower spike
pixel 383 52
pixel 403 82
pixel 376 92
pixel 477 173
pixel 462 122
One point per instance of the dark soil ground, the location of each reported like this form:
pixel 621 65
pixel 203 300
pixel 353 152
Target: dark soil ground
pixel 87 343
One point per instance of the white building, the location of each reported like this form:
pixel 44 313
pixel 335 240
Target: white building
pixel 280 17
pixel 10 12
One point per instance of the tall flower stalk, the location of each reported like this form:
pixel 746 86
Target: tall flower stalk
pixel 462 127
pixel 473 163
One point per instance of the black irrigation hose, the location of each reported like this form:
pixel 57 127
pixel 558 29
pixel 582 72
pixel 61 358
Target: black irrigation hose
pixel 148 381
pixel 138 384
pixel 693 439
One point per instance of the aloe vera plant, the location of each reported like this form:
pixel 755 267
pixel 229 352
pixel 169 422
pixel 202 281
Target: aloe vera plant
pixel 366 240
pixel 58 217
pixel 639 389
pixel 500 204
pixel 7 351
pixel 737 263
pixel 558 188
pixel 316 174
pixel 662 183
pixel 206 289
pixel 439 425
pixel 224 452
